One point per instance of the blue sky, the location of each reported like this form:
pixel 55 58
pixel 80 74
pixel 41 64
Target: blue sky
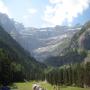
pixel 42 13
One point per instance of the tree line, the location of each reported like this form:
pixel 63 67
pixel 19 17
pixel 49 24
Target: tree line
pixel 73 74
pixel 11 71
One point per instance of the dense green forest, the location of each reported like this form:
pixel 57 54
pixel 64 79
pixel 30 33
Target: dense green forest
pixel 70 75
pixel 16 64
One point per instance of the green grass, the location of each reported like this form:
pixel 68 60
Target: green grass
pixel 28 86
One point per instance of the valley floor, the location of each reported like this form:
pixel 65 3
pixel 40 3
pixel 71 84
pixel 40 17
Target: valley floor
pixel 28 86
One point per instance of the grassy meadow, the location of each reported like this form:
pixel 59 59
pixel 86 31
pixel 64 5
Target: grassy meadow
pixel 28 86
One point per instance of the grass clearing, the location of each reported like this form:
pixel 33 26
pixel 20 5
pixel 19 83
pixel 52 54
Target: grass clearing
pixel 28 86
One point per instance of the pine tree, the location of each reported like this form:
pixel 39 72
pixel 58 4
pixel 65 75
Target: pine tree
pixel 87 74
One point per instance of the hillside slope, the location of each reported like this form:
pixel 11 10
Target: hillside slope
pixel 77 51
pixel 16 64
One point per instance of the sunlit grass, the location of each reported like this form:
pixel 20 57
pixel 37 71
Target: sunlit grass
pixel 28 86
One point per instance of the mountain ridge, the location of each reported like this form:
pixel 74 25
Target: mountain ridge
pixel 77 50
pixel 17 60
pixel 41 42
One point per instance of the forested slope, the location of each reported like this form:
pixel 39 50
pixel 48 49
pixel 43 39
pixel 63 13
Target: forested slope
pixel 16 64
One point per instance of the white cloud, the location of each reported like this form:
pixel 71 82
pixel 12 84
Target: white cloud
pixel 32 10
pixel 28 16
pixel 60 11
pixel 4 8
pixel 26 19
